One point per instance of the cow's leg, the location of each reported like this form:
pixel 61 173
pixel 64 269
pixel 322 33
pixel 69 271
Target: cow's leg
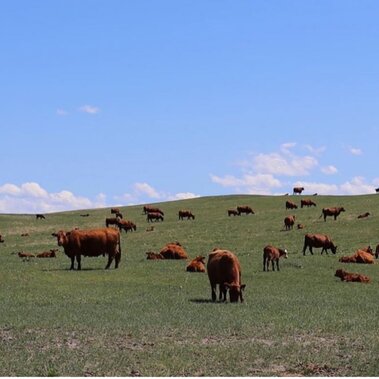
pixel 222 294
pixel 117 260
pixel 311 250
pixel 110 259
pixel 277 265
pixel 273 265
pixel 304 248
pixel 213 288
pixel 78 260
pixel 264 264
pixel 72 262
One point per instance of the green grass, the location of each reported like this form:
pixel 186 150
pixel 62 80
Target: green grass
pixel 153 318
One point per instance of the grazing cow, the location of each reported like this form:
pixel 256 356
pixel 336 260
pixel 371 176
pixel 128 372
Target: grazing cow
pixel 335 211
pixel 359 256
pixel 244 209
pixel 351 277
pixel 25 256
pixel 300 226
pixel 153 256
pixel 290 205
pixel 298 190
pixel 25 235
pixel 126 225
pixel 85 215
pixel 173 250
pixel 376 251
pixel 40 216
pixel 233 212
pixel 149 209
pixel 115 210
pixel 48 254
pixel 307 203
pixel 364 215
pixel 90 243
pixel 1 239
pixel 318 240
pixel 185 213
pixel 196 265
pixel 289 222
pixel 111 221
pixel 154 216
pixel 315 194
pixel 224 269
pixel 272 254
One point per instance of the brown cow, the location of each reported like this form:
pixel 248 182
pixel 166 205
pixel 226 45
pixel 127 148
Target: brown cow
pixel 359 256
pixel 244 209
pixel 224 269
pixel 126 225
pixel 272 254
pixel 118 215
pixel 154 216
pixel 90 243
pixel 335 211
pixel 111 221
pixel 153 256
pixel 196 265
pixel 1 239
pixel 376 251
pixel 289 222
pixel 364 215
pixel 25 256
pixel 298 190
pixel 85 215
pixel 351 277
pixel 48 254
pixel 318 240
pixel 173 250
pixel 40 216
pixel 307 203
pixel 25 235
pixel 115 210
pixel 150 209
pixel 233 212
pixel 185 213
pixel 290 205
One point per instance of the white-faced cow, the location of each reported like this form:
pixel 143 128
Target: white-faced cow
pixel 272 254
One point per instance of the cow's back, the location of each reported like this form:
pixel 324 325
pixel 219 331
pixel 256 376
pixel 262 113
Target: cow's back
pixel 223 266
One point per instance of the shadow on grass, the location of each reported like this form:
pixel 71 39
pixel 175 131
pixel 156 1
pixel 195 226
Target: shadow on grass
pixel 67 269
pixel 205 301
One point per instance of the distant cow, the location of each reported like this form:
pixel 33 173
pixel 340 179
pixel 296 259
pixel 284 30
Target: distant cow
pixel 298 190
pixel 359 256
pixel 364 215
pixel 335 211
pixel 224 269
pixel 150 229
pixel 154 216
pixel 196 265
pixel 40 216
pixel 173 250
pixel 300 226
pixel 244 209
pixel 25 256
pixel 233 212
pixel 126 225
pixel 25 235
pixel 290 205
pixel 48 254
pixel 1 239
pixel 351 277
pixel 153 256
pixel 149 209
pixel 376 251
pixel 272 254
pixel 111 221
pixel 289 222
pixel 186 213
pixel 115 210
pixel 377 190
pixel 90 243
pixel 318 240
pixel 85 215
pixel 307 203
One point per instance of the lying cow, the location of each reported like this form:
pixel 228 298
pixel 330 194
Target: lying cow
pixel 48 254
pixel 126 225
pixel 335 212
pixel 318 240
pixel 359 256
pixel 307 203
pixel 154 216
pixel 24 234
pixel 224 269
pixel 196 265
pixel 290 205
pixel 300 226
pixel 185 213
pixel 289 222
pixel 90 243
pixel 153 256
pixel 351 277
pixel 233 212
pixel 244 209
pixel 25 256
pixel 173 250
pixel 272 254
pixel 364 215
pixel 298 190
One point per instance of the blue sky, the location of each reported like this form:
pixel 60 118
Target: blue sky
pixel 129 102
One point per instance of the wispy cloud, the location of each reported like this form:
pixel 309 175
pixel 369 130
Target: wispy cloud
pixel 355 151
pixel 329 170
pixel 62 112
pixel 89 109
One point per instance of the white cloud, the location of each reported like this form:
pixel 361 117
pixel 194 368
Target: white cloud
pixel 89 109
pixel 315 150
pixel 182 196
pixel 62 112
pixel 355 151
pixel 146 189
pixel 329 170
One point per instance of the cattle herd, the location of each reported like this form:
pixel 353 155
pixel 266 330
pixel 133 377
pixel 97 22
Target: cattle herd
pixel 223 266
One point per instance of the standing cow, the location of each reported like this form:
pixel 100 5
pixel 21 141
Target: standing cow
pixel 272 254
pixel 185 213
pixel 289 222
pixel 244 209
pixel 90 243
pixel 290 205
pixel 298 190
pixel 335 212
pixel 224 269
pixel 307 203
pixel 318 240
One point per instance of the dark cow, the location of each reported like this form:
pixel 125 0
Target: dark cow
pixel 111 221
pixel 85 215
pixel 351 277
pixel 298 190
pixel 40 216
pixel 115 210
pixel 173 250
pixel 25 235
pixel 289 222
pixel 272 254
pixel 224 269
pixel 335 211
pixel 307 203
pixel 48 254
pixel 290 205
pixel 126 225
pixel 233 212
pixel 119 215
pixel 149 209
pixel 153 256
pixel 1 239
pixel 360 256
pixel 185 213
pixel 364 215
pixel 25 255
pixel 377 190
pixel 154 216
pixel 196 265
pixel 318 240
pixel 244 209
pixel 376 251
pixel 90 243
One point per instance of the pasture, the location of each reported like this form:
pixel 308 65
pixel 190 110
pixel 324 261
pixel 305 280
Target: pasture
pixel 152 318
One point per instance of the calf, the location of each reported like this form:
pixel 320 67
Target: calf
pixel 196 265
pixel 126 225
pixel 335 212
pixel 351 277
pixel 364 215
pixel 233 212
pixel 272 254
pixel 153 256
pixel 290 205
pixel 25 256
pixel 48 254
pixel 318 240
pixel 300 226
pixel 289 222
pixel 25 235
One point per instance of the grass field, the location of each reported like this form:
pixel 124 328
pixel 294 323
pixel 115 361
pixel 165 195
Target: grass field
pixel 152 318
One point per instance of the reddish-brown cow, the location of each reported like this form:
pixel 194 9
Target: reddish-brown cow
pixel 48 254
pixel 111 221
pixel 318 240
pixel 154 216
pixel 233 212
pixel 115 210
pixel 149 209
pixel 173 250
pixel 153 256
pixel 351 277
pixel 196 265
pixel 126 225
pixel 272 254
pixel 359 256
pixel 185 213
pixel 307 203
pixel 335 211
pixel 244 209
pixel 290 205
pixel 364 215
pixel 289 222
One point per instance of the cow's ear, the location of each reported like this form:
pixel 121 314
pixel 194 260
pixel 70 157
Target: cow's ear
pixel 242 287
pixel 54 234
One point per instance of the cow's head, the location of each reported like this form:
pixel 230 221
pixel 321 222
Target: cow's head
pixel 333 248
pixel 235 291
pixel 285 253
pixel 342 209
pixel 62 237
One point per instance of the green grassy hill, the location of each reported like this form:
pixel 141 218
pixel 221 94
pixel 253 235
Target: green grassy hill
pixel 154 319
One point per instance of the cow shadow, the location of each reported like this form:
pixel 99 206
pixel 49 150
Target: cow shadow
pixel 68 269
pixel 205 301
